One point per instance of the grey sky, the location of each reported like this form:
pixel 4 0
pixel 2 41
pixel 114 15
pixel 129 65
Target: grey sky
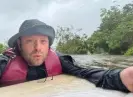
pixel 79 13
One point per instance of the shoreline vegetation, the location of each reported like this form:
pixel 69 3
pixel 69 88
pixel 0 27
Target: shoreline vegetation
pixel 114 35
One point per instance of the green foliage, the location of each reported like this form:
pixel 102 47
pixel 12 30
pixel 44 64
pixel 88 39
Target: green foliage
pixel 115 33
pixel 97 43
pixel 129 52
pixel 2 47
pixel 70 42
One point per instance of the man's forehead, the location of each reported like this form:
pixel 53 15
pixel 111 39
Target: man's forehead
pixel 34 36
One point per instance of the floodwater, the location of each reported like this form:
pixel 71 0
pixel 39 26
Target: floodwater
pixel 104 61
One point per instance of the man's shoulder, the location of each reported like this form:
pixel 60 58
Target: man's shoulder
pixel 65 56
pixel 59 54
pixel 3 63
pixel 3 58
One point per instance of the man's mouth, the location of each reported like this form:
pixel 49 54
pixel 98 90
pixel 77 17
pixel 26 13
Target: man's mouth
pixel 37 56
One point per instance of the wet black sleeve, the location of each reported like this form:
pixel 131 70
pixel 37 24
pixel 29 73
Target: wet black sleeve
pixel 107 79
pixel 3 62
pixel 111 80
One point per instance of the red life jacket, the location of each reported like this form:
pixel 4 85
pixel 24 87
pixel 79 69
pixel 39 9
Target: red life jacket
pixel 16 69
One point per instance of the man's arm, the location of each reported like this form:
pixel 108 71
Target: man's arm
pixel 111 80
pixel 108 79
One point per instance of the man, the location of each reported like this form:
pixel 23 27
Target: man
pixel 32 58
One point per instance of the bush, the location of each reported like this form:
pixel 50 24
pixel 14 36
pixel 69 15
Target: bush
pixel 129 52
pixel 2 47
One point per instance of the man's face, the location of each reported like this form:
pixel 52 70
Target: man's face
pixel 34 49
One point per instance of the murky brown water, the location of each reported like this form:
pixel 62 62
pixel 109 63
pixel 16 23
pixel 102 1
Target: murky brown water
pixel 68 86
pixel 104 61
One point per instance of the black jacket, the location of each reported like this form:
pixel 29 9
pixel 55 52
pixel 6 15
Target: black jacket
pixel 108 79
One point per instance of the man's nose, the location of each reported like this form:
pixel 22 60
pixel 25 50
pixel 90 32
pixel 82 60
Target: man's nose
pixel 37 46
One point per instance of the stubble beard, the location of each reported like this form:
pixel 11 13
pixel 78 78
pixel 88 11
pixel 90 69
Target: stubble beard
pixel 34 61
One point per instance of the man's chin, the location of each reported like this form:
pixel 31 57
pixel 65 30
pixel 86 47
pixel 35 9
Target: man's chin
pixel 36 63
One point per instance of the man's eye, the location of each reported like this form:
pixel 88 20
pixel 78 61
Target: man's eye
pixel 28 41
pixel 44 41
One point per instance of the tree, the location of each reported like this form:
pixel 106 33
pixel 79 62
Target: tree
pixel 70 42
pixel 115 33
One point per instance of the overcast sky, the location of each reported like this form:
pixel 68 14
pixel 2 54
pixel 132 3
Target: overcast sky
pixel 83 14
